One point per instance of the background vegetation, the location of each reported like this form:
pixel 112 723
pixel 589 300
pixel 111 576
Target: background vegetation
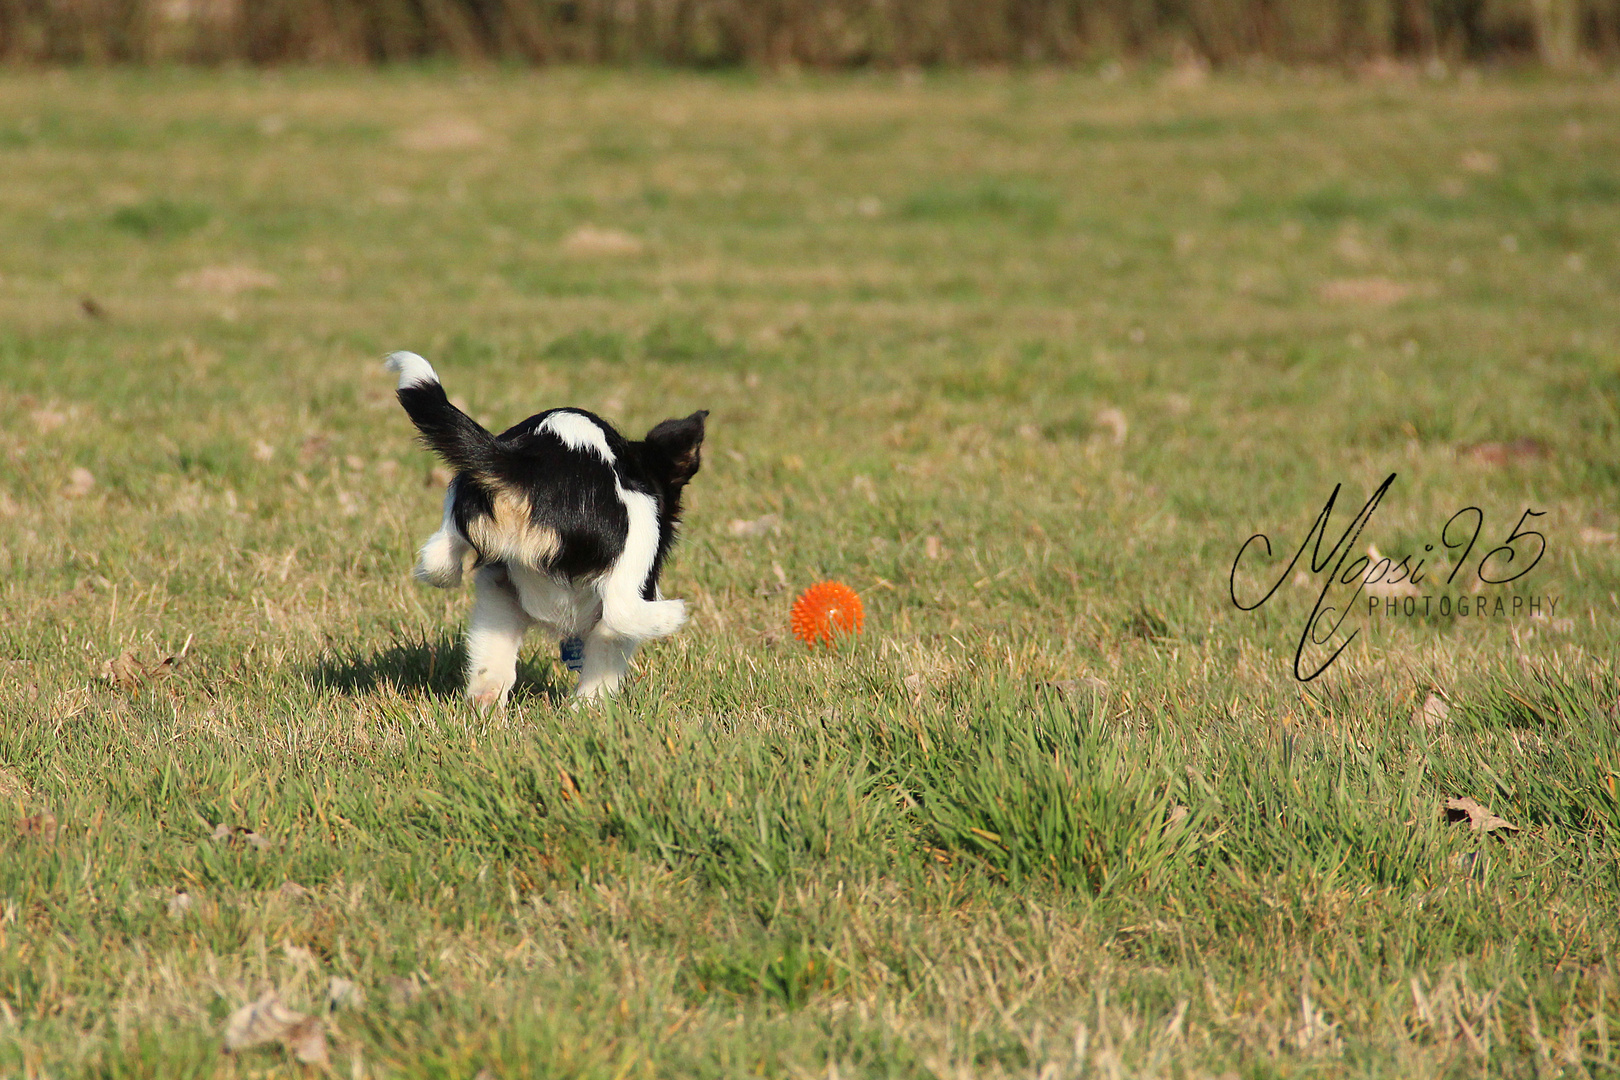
pixel 821 33
pixel 1022 357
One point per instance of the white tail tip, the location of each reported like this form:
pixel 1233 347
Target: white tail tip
pixel 413 370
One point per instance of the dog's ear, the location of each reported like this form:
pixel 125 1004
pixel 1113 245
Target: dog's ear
pixel 679 441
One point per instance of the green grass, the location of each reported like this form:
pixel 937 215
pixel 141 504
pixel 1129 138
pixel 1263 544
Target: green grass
pixel 1024 358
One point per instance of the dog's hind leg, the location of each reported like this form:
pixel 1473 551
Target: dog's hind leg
pixel 494 636
pixel 625 612
pixel 442 560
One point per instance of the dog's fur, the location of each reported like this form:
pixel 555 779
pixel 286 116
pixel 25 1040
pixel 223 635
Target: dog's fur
pixel 566 523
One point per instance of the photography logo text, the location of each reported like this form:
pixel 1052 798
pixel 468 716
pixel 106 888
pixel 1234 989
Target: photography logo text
pixel 1459 575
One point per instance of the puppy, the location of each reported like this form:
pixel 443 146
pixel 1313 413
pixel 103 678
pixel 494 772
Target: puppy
pixel 565 522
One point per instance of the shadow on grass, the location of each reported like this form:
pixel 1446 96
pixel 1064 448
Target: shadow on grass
pixel 430 666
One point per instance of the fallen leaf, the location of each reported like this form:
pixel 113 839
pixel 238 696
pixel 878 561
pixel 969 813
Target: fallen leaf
pixel 1508 453
pixel 932 548
pixel 1479 818
pixel 1178 813
pixel 291 890
pixel 1432 713
pixel 268 1020
pixel 227 280
pixel 590 240
pixel 40 826
pixel 341 992
pixel 306 1041
pixel 443 133
pixel 262 1021
pixel 239 836
pixel 81 481
pixel 126 671
pixel 48 420
pixel 1114 420
pixel 914 686
pixel 300 956
pixel 760 526
pixel 179 904
pixel 313 447
pixel 1370 291
pixel 91 308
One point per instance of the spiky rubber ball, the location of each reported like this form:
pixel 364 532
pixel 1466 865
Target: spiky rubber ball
pixel 824 610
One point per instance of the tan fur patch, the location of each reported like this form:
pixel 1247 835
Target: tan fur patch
pixel 510 534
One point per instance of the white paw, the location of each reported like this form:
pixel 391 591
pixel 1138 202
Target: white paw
pixel 648 619
pixel 441 562
pixel 669 616
pixel 486 692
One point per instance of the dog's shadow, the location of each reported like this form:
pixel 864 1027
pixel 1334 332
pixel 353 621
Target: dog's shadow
pixel 433 667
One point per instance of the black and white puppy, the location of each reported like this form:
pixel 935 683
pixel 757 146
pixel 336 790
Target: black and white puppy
pixel 567 524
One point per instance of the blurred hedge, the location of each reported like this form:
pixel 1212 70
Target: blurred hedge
pixel 823 33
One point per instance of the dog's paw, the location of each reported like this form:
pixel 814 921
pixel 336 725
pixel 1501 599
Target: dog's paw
pixel 487 694
pixel 590 690
pixel 442 561
pixel 647 619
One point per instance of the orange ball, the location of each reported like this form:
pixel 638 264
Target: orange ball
pixel 824 609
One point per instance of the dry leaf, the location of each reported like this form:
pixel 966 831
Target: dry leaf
pixel 291 890
pixel 443 133
pixel 81 481
pixel 341 992
pixel 1178 813
pixel 126 671
pixel 1508 453
pixel 239 836
pixel 760 526
pixel 1432 713
pixel 1114 420
pixel 590 240
pixel 1371 291
pixel 932 548
pixel 1479 818
pixel 179 904
pixel 227 280
pixel 41 826
pixel 267 1020
pixel 48 420
pixel 306 1041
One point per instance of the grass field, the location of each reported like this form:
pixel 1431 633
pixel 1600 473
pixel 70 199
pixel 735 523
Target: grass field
pixel 1025 358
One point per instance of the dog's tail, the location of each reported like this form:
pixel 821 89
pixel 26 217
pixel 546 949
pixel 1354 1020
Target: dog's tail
pixel 456 437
